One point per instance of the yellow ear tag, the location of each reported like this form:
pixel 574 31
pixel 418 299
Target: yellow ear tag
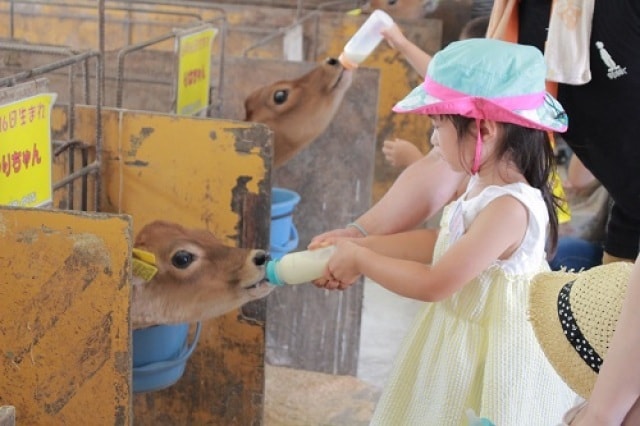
pixel 144 264
pixel 354 12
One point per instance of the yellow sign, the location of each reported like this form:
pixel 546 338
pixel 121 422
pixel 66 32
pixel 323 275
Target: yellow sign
pixel 194 71
pixel 25 151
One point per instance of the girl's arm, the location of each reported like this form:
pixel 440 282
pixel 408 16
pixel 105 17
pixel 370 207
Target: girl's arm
pixel 414 245
pixel 495 233
pixel 417 58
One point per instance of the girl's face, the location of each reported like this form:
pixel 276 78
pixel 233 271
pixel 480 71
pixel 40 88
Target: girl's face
pixel 445 142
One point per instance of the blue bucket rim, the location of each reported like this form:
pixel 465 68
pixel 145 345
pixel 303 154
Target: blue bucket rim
pixel 160 369
pixel 295 197
pixel 168 363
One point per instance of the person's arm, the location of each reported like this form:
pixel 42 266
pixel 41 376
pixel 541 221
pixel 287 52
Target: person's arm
pixel 578 176
pixel 614 398
pixel 417 58
pixel 419 192
pixel 495 233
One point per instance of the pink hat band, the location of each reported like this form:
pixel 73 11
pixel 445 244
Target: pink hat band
pixel 488 79
pixel 502 109
pixel 521 102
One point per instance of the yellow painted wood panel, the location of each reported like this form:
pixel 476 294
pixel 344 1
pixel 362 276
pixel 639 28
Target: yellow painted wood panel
pixel 64 317
pixel 185 169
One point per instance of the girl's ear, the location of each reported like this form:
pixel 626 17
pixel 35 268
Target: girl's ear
pixel 489 130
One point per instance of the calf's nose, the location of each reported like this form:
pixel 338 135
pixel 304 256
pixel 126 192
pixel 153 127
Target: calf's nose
pixel 260 258
pixel 332 61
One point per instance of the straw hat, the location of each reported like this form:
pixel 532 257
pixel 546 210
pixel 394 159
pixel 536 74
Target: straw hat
pixel 574 315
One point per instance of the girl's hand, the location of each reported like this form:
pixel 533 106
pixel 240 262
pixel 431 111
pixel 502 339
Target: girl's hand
pixel 394 36
pixel 342 269
pixel 400 153
pixel 331 281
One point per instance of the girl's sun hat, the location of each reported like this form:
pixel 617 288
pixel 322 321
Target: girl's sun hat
pixel 574 315
pixel 488 79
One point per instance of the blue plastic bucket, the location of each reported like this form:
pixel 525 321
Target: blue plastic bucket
pixel 160 355
pixel 284 235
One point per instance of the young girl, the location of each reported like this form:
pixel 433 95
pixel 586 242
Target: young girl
pixel 473 348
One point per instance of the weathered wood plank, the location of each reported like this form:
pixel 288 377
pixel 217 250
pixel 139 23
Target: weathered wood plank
pixel 64 316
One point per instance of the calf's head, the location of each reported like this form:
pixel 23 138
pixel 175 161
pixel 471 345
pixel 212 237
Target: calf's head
pixel 299 110
pixel 197 276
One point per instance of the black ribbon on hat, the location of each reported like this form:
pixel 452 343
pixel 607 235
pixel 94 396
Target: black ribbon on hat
pixel 572 331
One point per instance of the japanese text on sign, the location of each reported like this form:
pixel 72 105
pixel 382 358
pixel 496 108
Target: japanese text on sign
pixel 194 71
pixel 25 151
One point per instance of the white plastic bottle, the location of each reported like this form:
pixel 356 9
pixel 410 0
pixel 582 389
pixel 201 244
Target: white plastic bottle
pixel 299 267
pixel 365 40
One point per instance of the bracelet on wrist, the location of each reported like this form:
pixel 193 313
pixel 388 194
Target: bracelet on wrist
pixel 359 227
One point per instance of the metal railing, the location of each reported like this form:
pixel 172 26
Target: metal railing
pixel 71 146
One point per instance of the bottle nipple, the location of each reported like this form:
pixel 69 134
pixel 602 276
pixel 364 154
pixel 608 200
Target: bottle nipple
pixel 346 63
pixel 271 274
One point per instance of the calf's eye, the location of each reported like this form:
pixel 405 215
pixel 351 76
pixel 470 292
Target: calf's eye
pixel 280 96
pixel 182 259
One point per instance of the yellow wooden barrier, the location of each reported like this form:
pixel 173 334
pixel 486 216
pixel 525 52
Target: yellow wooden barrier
pixel 64 324
pixel 208 174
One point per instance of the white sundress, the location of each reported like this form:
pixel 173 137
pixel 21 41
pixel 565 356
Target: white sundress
pixel 476 349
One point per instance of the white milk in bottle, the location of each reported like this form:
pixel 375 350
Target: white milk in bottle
pixel 299 267
pixel 365 40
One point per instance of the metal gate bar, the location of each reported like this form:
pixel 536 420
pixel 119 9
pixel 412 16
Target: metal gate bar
pixel 122 53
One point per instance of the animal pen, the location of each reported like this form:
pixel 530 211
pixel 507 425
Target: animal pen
pixel 122 156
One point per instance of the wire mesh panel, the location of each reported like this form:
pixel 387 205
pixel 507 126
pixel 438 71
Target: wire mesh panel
pixel 76 166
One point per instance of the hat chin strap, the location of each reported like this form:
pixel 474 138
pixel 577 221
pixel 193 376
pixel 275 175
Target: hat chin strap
pixel 478 154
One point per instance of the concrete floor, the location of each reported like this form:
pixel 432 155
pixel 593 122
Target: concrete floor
pixel 303 398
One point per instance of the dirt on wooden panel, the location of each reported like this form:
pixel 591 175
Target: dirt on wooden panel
pixel 64 303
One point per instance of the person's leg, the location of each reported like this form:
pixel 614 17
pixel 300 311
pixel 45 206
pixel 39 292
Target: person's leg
pixel 576 254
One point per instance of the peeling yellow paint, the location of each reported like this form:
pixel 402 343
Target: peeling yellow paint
pixel 64 316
